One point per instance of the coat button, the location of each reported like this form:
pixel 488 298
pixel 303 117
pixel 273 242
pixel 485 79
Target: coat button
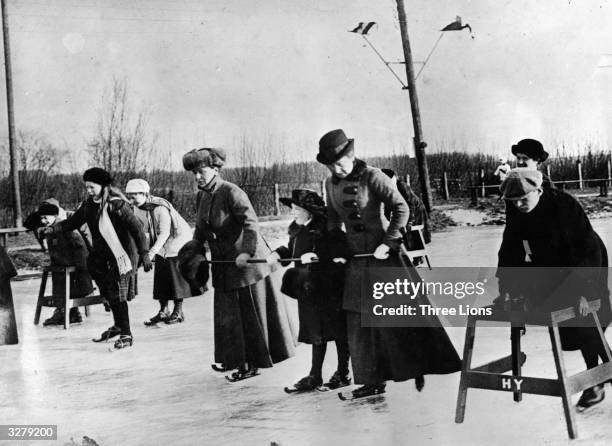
pixel 354 216
pixel 351 204
pixel 350 190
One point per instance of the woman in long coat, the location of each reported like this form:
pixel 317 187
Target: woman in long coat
pixel 317 286
pixel 118 246
pixel 356 194
pixel 252 327
pixel 167 233
pixel 548 230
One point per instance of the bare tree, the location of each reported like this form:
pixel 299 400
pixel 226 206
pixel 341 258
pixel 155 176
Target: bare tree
pixel 120 144
pixel 36 152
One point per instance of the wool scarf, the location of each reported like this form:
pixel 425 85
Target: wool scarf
pixel 107 230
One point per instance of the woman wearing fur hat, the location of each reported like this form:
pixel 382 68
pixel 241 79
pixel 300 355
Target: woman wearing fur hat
pixel 356 194
pixel 118 246
pixel 167 232
pixel 65 249
pixel 550 232
pixel 252 327
pixel 316 287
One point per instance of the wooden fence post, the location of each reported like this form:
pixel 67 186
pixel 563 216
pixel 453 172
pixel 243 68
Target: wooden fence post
pixel 609 173
pixel 323 191
pixel 276 199
pixel 579 164
pixel 482 183
pixel 408 179
pixel 445 194
pixel 548 172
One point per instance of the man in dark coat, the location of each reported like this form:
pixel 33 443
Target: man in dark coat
pixel 356 194
pixel 65 249
pixel 551 232
pixel 8 324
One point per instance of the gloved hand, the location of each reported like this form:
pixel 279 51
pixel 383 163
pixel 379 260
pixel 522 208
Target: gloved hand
pixel 44 230
pixel 241 260
pixel 340 260
pixel 308 257
pixel 382 252
pixel 583 306
pixel 146 263
pixel 272 258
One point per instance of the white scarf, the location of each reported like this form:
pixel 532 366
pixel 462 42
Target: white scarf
pixel 109 234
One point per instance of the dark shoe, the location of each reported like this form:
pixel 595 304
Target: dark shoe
pixel 591 396
pixel 175 318
pixel 338 380
pixel 75 316
pixel 308 383
pixel 124 341
pixel 110 333
pixel 162 316
pixel 242 374
pixel 369 390
pixel 57 318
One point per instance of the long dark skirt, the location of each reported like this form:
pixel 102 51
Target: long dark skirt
pixel 320 323
pixel 398 353
pixel 168 282
pixel 111 285
pixel 252 326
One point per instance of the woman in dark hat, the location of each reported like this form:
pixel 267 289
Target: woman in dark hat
pixel 118 245
pixel 252 327
pixel 550 232
pixel 356 193
pixel 65 249
pixel 316 286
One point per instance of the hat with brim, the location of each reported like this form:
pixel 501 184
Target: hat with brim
pixel 307 199
pixel 333 146
pixel 49 206
pixel 520 182
pixel 531 148
pixel 206 156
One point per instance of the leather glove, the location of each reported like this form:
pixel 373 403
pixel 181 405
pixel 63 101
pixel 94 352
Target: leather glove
pixel 241 260
pixel 382 252
pixel 272 258
pixel 146 263
pixel 340 260
pixel 44 230
pixel 308 257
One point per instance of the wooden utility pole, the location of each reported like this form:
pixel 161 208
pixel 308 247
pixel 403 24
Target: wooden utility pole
pixel 419 144
pixel 18 219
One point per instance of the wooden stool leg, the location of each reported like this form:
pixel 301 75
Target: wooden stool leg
pixel 562 377
pixel 468 348
pixel 603 337
pixel 66 301
pixel 515 341
pixel 41 296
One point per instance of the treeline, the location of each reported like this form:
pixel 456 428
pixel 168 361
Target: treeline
pixel 463 170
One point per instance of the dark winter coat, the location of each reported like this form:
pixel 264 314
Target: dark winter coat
pixel 418 214
pixel 69 249
pixel 570 257
pixel 227 221
pixel 101 262
pixel 357 202
pixel 8 324
pixel 319 303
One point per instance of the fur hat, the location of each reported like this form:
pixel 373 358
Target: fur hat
pixel 333 146
pixel 519 182
pixel 532 148
pixel 137 185
pixel 98 175
pixel 207 156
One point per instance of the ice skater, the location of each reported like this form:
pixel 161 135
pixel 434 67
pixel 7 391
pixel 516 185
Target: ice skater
pixel 317 286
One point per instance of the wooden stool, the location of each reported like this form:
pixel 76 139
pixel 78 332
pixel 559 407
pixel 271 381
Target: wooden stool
pixel 491 375
pixel 66 302
pixel 415 233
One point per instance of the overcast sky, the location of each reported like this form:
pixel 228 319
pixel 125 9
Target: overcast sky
pixel 211 71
